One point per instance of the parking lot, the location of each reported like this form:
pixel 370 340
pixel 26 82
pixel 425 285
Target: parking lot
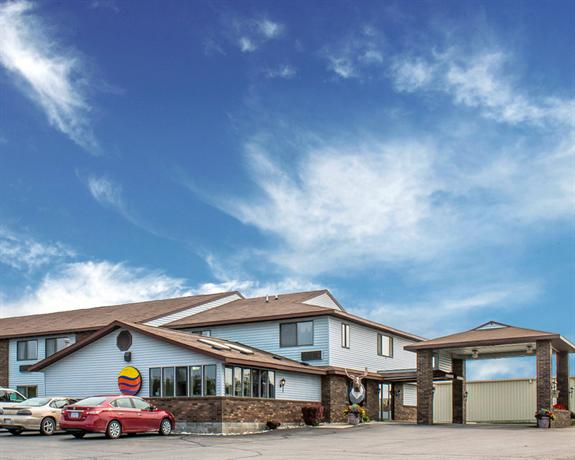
pixel 377 440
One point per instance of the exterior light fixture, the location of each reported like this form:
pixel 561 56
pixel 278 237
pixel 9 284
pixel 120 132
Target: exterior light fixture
pixel 475 353
pixel 529 349
pixel 282 383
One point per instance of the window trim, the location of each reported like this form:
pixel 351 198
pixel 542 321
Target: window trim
pixel 380 347
pixel 18 350
pixel 296 334
pixel 345 336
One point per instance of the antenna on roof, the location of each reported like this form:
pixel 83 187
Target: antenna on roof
pixel 276 297
pixel 267 298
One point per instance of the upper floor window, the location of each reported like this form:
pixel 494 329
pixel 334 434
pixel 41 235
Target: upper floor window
pixel 296 334
pixel 205 333
pixel 345 335
pixel 27 350
pixel 384 345
pixel 56 344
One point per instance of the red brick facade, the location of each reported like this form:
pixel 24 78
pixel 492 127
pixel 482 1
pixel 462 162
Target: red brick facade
pixel 544 363
pixel 401 412
pixel 4 357
pixel 425 387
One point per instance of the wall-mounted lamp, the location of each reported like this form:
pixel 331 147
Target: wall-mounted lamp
pixel 529 349
pixel 282 383
pixel 128 356
pixel 397 393
pixel 475 353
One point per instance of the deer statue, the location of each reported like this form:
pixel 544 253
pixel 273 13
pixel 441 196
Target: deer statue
pixel 357 392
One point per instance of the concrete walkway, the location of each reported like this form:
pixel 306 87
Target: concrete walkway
pixel 377 440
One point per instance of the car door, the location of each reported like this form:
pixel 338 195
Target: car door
pixel 148 419
pixel 125 412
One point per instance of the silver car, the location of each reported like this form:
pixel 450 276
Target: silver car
pixel 34 414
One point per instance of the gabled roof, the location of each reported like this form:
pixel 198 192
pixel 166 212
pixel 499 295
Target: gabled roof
pixel 229 352
pixel 493 333
pixel 286 306
pixel 90 319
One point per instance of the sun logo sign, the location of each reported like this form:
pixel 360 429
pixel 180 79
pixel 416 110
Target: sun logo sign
pixel 130 381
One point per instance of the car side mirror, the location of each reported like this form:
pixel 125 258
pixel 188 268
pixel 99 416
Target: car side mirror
pixel 152 408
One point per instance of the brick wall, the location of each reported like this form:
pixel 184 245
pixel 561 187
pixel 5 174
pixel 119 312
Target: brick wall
pixel 544 363
pixel 4 362
pixel 425 387
pixel 401 412
pixel 229 409
pixel 372 399
pixel 334 397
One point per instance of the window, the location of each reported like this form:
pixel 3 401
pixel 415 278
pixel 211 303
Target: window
pixel 229 380
pixel 250 383
pixel 27 350
pixel 11 396
pixel 196 380
pixel 124 403
pixel 168 379
pixel 141 404
pixel 210 380
pixel 345 335
pixel 296 334
pixel 156 382
pixel 181 381
pixel 29 391
pixel 59 403
pixel 384 345
pixel 56 344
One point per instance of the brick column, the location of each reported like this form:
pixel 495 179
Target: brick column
pixel 334 397
pixel 458 391
pixel 562 358
pixel 4 357
pixel 425 387
pixel 544 363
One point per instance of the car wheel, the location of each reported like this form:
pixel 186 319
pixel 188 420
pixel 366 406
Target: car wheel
pixel 165 427
pixel 16 432
pixel 114 430
pixel 78 435
pixel 48 426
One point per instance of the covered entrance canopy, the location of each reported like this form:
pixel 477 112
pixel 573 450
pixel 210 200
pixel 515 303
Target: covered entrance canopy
pixel 492 340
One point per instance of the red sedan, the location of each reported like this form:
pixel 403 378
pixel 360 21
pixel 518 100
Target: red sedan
pixel 115 415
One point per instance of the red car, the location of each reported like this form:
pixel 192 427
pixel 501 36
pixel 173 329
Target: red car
pixel 115 415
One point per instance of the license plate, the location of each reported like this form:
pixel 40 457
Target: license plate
pixel 8 421
pixel 74 414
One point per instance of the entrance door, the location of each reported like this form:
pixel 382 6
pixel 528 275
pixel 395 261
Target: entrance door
pixel 385 401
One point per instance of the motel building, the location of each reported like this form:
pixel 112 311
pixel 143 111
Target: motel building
pixel 224 363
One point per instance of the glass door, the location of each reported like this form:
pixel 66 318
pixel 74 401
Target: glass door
pixel 385 401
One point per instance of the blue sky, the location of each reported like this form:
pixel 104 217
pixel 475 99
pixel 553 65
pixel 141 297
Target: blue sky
pixel 416 158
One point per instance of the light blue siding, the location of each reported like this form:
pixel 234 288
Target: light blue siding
pixel 18 378
pixel 363 349
pixel 265 335
pixel 298 387
pixel 94 369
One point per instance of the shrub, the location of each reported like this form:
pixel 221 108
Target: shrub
pixel 273 424
pixel 312 415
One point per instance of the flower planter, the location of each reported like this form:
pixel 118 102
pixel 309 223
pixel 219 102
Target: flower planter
pixel 353 419
pixel 543 422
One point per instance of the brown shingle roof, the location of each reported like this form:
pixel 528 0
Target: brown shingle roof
pixel 486 335
pixel 287 306
pixel 197 343
pixel 94 318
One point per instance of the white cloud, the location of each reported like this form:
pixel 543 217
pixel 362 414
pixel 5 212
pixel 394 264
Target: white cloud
pixel 482 81
pixel 502 368
pixel 106 192
pixel 249 34
pixel 282 71
pixel 91 284
pixel 246 45
pixel 23 252
pixel 270 29
pixel 50 76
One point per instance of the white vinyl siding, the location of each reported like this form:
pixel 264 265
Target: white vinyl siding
pixel 265 335
pixel 363 349
pixel 298 387
pixel 94 369
pixel 18 378
pixel 409 394
pixel 191 311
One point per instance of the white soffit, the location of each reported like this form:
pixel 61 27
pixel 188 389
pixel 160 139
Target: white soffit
pixel 192 311
pixel 323 300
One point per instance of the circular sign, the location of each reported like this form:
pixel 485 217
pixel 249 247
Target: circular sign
pixel 130 381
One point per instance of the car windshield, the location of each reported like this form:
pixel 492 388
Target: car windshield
pixel 35 402
pixel 91 402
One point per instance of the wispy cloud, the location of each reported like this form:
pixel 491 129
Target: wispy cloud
pixel 481 80
pixel 23 252
pixel 46 72
pixel 249 34
pixel 106 5
pixel 106 192
pixel 285 71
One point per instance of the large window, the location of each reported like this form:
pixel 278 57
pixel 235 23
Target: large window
pixel 250 383
pixel 345 335
pixel 156 382
pixel 27 350
pixel 384 345
pixel 30 391
pixel 183 381
pixel 296 334
pixel 55 344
